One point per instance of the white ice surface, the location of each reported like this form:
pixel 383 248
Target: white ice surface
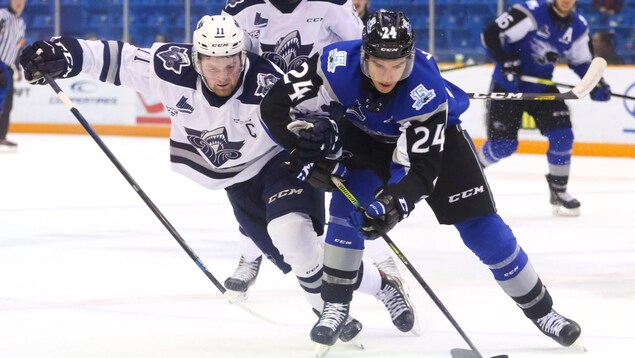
pixel 87 270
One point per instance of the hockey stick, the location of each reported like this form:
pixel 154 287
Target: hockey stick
pixel 64 98
pixel 449 69
pixel 456 353
pixel 586 85
pixel 544 81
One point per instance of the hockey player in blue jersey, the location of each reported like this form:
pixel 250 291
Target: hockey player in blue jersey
pixel 394 123
pixel 212 89
pixel 528 39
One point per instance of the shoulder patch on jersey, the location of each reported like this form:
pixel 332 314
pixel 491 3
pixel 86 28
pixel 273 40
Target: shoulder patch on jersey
pixel 421 95
pixel 172 63
pixel 336 59
pixel 336 2
pixel 174 58
pixel 265 82
pixel 233 7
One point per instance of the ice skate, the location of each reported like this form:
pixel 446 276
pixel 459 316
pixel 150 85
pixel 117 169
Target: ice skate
pixel 329 326
pixel 350 331
pixel 244 276
pixel 7 146
pixel 396 299
pixel 562 203
pixel 561 329
pixel 388 266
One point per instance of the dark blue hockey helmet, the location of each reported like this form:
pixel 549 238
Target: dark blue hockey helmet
pixel 388 35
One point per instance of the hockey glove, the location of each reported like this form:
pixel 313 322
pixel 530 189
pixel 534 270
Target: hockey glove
pixel 52 57
pixel 318 175
pixel 380 216
pixel 602 92
pixel 318 139
pixel 512 70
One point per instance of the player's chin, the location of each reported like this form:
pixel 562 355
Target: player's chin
pixel 384 87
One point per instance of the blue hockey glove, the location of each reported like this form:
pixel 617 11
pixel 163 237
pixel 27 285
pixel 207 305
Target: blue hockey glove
pixel 318 140
pixel 602 92
pixel 52 57
pixel 381 215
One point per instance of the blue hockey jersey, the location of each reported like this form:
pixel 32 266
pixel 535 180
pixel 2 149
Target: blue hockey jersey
pixel 539 37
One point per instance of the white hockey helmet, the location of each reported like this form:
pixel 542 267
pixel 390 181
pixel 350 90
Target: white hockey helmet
pixel 217 35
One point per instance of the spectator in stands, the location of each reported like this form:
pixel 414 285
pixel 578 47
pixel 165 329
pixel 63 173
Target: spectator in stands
pixel 607 8
pixel 161 38
pixel 12 28
pixel 604 46
pixel 363 9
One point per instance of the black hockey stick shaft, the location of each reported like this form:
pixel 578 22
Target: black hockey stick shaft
pixel 591 78
pixel 131 181
pixel 344 190
pixel 450 69
pixel 64 98
pixel 549 82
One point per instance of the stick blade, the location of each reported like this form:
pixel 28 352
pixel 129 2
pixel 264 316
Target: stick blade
pixel 591 78
pixel 466 353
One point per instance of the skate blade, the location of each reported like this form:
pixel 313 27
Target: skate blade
pixel 236 296
pixel 558 210
pixel 321 350
pixel 578 345
pixel 357 342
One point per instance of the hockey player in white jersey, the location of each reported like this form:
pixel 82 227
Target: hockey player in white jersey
pixel 288 32
pixel 212 89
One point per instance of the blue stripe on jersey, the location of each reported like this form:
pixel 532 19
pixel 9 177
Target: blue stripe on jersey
pixel 196 166
pixel 233 7
pixel 106 62
pixel 119 55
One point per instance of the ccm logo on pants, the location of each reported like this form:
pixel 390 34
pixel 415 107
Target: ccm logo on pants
pixel 465 194
pixel 284 193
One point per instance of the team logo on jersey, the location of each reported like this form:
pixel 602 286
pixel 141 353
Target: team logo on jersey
pixel 356 110
pixel 288 53
pixel 336 58
pixel 543 52
pixel 183 106
pixel 421 95
pixel 215 145
pixel 174 59
pixel 265 82
pixel 543 32
pixel 233 3
pixel 260 21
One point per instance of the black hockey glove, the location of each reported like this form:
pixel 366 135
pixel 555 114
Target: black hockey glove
pixel 380 216
pixel 512 69
pixel 59 58
pixel 318 138
pixel 602 92
pixel 318 175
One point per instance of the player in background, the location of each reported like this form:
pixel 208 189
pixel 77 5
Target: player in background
pixel 212 89
pixel 398 122
pixel 364 10
pixel 288 32
pixel 529 39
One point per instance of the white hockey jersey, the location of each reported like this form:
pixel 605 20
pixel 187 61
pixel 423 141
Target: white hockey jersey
pixel 217 142
pixel 289 35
